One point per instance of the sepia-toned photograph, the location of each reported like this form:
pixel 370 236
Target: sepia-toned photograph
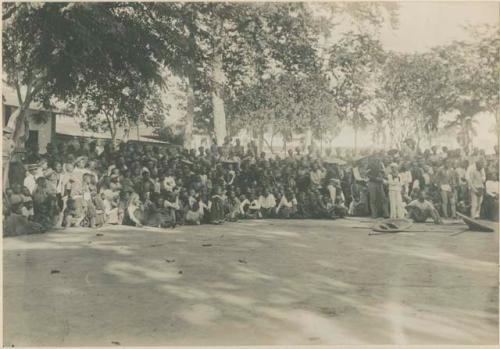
pixel 250 173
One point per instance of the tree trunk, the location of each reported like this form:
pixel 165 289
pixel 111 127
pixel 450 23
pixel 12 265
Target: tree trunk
pixel 355 140
pixel 18 123
pixel 260 143
pixel 309 138
pixel 218 103
pixel 189 118
pixel 113 140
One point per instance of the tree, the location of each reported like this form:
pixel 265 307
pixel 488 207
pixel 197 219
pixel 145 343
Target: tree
pixel 353 62
pixel 473 69
pixel 59 50
pixel 111 105
pixel 395 116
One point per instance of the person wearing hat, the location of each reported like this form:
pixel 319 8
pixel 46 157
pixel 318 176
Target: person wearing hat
pixel 395 188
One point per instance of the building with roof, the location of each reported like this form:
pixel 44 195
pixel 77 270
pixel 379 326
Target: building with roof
pixel 42 122
pixel 45 126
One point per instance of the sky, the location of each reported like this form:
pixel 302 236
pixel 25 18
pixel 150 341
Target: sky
pixel 423 24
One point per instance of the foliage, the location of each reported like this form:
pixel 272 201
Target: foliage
pixel 353 63
pixel 76 51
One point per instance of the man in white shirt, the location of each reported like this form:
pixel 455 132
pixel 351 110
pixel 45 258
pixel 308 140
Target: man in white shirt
pixel 267 203
pixel 477 177
pixel 254 209
pixel 30 179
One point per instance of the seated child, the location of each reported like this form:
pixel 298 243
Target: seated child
pixel 194 214
pixel 232 209
pixel 71 216
pixel 172 206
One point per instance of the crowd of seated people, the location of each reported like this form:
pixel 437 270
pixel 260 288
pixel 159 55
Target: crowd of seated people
pixel 86 185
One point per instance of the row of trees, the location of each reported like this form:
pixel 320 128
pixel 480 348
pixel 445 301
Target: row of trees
pixel 400 95
pixel 256 66
pixel 459 80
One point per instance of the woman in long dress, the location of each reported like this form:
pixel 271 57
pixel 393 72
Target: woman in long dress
pixel 217 207
pixel 134 214
pixel 395 188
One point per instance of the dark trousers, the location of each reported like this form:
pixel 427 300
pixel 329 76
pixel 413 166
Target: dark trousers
pixel 377 200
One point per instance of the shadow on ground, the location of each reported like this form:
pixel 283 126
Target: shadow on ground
pixel 250 283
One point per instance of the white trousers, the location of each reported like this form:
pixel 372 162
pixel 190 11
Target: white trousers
pixel 475 204
pixel 396 204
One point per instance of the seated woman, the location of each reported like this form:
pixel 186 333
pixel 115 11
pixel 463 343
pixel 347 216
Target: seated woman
pixel 420 210
pixel 110 204
pixel 134 214
pixel 70 214
pixel 216 206
pixel 232 209
pixel 89 191
pixel 155 212
pixel 359 204
pixel 15 223
pixel 171 205
pixel 194 214
pixel 44 205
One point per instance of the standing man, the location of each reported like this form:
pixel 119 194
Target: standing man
pixel 446 181
pixel 8 148
pixel 477 178
pixel 376 193
pixel 30 179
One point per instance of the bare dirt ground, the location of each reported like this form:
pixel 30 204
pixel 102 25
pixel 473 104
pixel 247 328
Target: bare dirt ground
pixel 250 283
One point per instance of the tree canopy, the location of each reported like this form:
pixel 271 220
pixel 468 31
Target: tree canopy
pixel 284 67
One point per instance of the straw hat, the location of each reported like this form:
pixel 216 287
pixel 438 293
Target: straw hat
pixel 48 172
pixel 30 167
pixel 80 158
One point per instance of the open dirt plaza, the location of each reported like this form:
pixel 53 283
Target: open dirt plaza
pixel 252 283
